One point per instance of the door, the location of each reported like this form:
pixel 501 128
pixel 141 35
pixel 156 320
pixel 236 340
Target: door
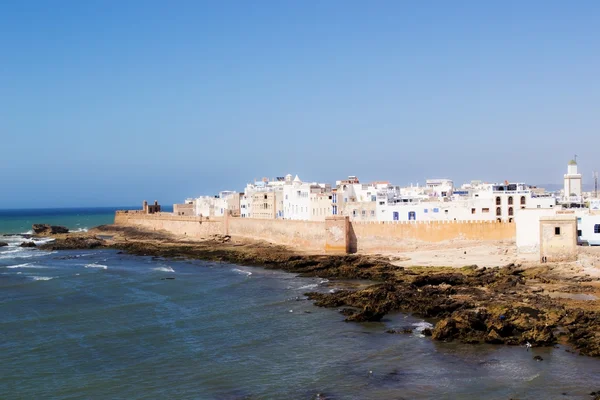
pixel 396 216
pixel 412 215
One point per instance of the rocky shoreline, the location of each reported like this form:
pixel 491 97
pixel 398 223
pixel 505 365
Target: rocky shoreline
pixel 501 305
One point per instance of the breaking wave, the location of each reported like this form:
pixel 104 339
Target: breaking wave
pixel 311 286
pixel 96 266
pixel 42 278
pixel 164 269
pixel 26 265
pixel 239 271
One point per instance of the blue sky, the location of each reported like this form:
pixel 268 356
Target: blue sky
pixel 109 102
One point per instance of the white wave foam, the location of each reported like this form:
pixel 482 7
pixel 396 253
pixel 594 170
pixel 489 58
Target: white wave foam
pixel 96 266
pixel 42 240
pixel 311 286
pixel 324 281
pixel 419 326
pixel 42 278
pixel 80 230
pixel 242 271
pixel 17 250
pixel 29 232
pixel 164 269
pixel 26 265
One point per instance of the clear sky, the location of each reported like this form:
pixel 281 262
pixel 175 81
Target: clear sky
pixel 111 102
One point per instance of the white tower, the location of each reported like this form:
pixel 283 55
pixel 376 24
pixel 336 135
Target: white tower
pixel 572 183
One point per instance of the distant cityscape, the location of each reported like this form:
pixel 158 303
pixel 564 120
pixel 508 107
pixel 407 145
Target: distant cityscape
pixel 290 198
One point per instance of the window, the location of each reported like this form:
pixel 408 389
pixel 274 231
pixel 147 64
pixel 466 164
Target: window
pixel 425 211
pixel 557 230
pixel 372 213
pixel 498 201
pixel 435 210
pixel 578 232
pixel 523 200
pixel 510 201
pixel 498 211
pixel 412 215
pixel 364 213
pixel 485 210
pixel 472 211
pixel 354 213
pixel 265 196
pixel 373 198
pixel 597 228
pixel 510 211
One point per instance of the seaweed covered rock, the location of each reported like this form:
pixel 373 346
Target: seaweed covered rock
pixel 45 229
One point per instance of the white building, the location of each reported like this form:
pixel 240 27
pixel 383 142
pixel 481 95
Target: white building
pixel 572 186
pixel 480 202
pixel 588 229
pixel 214 206
pixel 265 185
pixel 359 200
pixel 306 201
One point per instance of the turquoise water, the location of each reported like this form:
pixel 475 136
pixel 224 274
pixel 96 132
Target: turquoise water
pixel 97 324
pixel 20 221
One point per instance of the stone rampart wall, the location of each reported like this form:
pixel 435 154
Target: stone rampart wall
pixel 362 236
pixel 196 227
pixel 302 234
pixel 393 236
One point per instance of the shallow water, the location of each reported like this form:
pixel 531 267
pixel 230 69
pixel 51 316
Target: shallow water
pixel 76 219
pixel 97 324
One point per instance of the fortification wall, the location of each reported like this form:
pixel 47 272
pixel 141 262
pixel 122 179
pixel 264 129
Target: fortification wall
pixel 195 227
pixel 302 234
pixel 316 235
pixel 390 236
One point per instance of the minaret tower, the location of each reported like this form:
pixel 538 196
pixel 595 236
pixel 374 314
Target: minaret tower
pixel 572 181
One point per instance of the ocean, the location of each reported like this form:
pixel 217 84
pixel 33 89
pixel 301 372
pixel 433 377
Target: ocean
pixel 100 324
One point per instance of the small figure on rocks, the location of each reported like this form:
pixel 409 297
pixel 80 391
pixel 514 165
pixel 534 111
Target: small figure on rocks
pixel 528 345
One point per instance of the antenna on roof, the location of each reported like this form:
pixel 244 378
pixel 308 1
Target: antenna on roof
pixel 596 184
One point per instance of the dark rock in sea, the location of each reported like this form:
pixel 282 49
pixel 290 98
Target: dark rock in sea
pixel 3 244
pixel 28 244
pixel 166 279
pixel 538 358
pixel 427 332
pixel 403 330
pixel 73 243
pixel 45 229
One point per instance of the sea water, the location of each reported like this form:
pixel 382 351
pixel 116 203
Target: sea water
pixel 99 324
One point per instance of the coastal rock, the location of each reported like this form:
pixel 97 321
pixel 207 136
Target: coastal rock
pixel 74 243
pixel 468 326
pixel 27 244
pixel 3 244
pixel 45 229
pixel 540 336
pixel 538 358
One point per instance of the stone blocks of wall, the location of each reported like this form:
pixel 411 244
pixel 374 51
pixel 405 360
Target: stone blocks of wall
pixel 195 227
pixel 558 238
pixel 337 235
pixel 333 235
pixel 396 236
pixel 308 235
